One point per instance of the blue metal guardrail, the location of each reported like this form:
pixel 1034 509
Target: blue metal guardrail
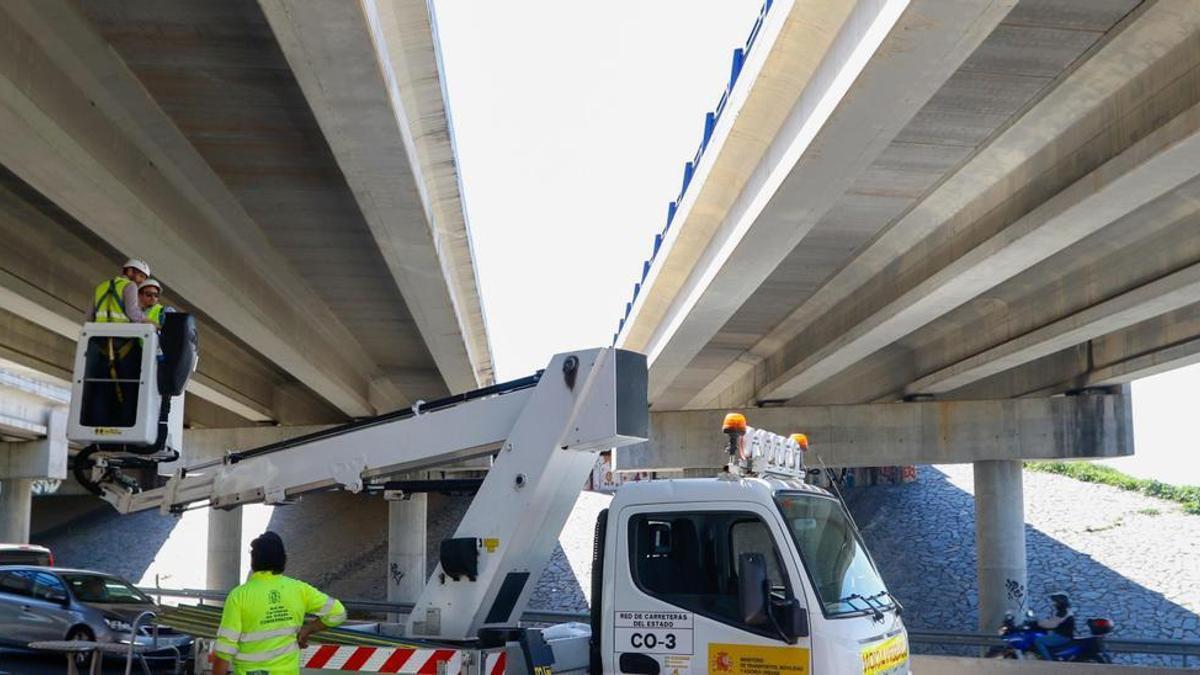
pixel 689 169
pixel 1187 649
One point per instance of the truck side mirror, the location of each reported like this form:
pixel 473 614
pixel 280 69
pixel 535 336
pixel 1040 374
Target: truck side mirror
pixel 791 618
pixel 753 594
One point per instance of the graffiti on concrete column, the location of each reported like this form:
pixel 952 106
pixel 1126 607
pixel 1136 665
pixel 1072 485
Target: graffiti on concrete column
pixel 397 574
pixel 1016 593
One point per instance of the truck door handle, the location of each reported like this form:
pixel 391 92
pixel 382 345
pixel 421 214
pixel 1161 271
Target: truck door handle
pixel 638 664
pixel 26 608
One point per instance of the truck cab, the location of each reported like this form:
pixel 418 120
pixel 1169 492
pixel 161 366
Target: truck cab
pixel 739 574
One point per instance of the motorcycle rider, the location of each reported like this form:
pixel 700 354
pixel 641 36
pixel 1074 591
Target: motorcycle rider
pixel 1060 626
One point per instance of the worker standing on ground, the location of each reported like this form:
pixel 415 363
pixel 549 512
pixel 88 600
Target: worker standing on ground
pixel 149 292
pixel 116 300
pixel 262 626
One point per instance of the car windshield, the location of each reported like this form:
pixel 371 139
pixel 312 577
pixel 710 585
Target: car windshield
pixel 99 588
pixel 845 578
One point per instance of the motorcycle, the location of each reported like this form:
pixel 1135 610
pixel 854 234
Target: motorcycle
pixel 1019 641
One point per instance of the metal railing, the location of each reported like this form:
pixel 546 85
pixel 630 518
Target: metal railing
pixel 532 616
pixel 740 55
pixel 1186 649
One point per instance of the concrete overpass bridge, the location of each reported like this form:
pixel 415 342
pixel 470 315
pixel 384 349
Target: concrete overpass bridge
pixel 287 168
pixel 909 227
pixel 912 227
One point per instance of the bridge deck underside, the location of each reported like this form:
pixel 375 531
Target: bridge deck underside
pixel 216 69
pixel 1028 231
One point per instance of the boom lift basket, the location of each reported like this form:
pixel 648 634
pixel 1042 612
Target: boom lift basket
pixel 127 389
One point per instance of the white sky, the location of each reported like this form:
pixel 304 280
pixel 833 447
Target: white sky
pixel 573 122
pixel 1164 428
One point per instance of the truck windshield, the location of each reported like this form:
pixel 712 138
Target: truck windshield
pixel 833 553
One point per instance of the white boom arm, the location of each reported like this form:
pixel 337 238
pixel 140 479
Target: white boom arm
pixel 544 437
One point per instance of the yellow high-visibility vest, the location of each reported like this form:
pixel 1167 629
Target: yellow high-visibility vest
pixel 155 314
pixel 262 618
pixel 108 299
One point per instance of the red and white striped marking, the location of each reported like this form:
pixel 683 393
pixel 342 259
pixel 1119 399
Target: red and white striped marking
pixel 495 663
pixel 381 659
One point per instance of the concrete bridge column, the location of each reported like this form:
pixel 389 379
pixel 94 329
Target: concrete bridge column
pixel 16 499
pixel 1000 541
pixel 406 548
pixel 224 549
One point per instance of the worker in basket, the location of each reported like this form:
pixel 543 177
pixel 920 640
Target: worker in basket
pixel 117 301
pixel 262 626
pixel 149 293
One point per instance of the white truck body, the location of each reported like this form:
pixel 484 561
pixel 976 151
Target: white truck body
pixel 751 572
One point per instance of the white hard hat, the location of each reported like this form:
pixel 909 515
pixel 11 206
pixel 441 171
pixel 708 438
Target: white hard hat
pixel 138 264
pixel 150 282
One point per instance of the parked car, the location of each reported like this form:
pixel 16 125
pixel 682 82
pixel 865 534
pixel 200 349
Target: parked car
pixel 51 603
pixel 26 554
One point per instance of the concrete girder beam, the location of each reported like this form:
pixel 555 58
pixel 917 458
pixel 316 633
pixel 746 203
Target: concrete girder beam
pixel 371 75
pixel 1161 360
pixel 28 345
pixel 20 418
pixel 1151 243
pixel 78 126
pixel 1119 91
pixel 46 277
pixel 888 56
pixel 934 432
pixel 1161 296
pixel 1153 166
pixel 45 454
pixel 1167 341
pixel 766 90
pixel 1153 346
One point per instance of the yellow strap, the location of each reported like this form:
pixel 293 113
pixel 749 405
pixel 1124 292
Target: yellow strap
pixel 112 371
pixel 124 351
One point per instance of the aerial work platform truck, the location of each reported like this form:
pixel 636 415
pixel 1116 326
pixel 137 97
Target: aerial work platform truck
pixel 751 571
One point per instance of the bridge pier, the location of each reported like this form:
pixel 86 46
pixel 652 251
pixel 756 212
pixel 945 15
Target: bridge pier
pixel 406 573
pixel 44 455
pixel 224 569
pixel 1000 541
pixel 16 498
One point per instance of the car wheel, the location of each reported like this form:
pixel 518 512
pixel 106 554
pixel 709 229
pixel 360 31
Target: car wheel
pixel 83 634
